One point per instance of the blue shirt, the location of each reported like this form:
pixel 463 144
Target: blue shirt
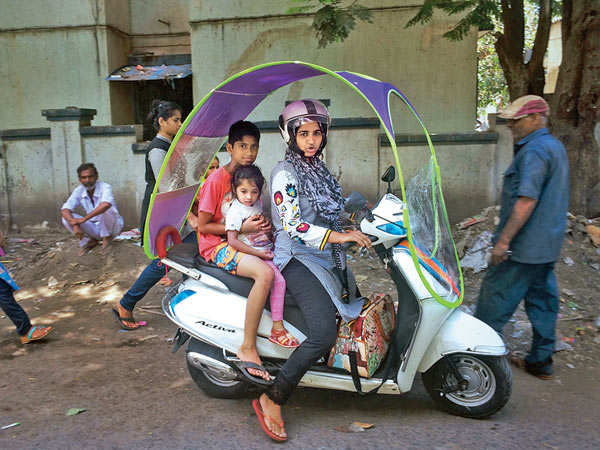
pixel 539 170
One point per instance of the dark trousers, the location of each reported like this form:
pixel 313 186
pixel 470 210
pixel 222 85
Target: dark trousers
pixel 319 313
pixel 147 279
pixel 12 309
pixel 503 288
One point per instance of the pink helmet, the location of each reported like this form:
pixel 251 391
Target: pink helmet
pixel 300 112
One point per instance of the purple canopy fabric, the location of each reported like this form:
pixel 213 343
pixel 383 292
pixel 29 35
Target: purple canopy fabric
pixel 234 100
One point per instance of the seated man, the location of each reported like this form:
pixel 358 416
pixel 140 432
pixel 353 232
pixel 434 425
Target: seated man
pixel 102 220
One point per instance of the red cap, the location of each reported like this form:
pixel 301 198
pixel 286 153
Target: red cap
pixel 524 106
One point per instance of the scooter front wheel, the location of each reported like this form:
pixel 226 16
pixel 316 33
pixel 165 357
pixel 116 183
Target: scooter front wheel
pixel 483 388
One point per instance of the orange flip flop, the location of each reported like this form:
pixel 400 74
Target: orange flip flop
pixel 29 336
pixel 261 418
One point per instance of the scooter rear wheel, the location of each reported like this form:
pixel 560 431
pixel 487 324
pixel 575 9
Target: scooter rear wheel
pixel 212 383
pixel 486 386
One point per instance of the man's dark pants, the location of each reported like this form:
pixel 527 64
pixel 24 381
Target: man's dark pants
pixel 503 288
pixel 12 309
pixel 148 278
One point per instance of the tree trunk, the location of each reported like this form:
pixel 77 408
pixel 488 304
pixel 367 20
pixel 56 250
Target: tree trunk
pixel 523 78
pixel 576 101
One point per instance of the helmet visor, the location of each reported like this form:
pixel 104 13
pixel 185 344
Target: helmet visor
pixel 297 123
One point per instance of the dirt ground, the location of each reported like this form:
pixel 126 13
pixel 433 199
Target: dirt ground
pixel 88 360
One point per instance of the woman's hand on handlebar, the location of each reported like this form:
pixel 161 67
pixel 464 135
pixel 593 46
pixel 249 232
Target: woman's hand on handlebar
pixel 361 239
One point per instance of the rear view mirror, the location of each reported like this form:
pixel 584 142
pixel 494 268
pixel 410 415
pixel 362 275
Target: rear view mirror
pixel 355 202
pixel 388 176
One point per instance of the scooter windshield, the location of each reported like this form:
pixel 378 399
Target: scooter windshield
pixel 205 130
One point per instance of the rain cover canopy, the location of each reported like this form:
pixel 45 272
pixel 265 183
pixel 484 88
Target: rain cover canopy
pixel 207 126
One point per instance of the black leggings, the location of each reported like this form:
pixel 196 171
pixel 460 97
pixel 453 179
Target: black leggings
pixel 320 316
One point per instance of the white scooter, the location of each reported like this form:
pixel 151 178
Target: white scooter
pixel 461 359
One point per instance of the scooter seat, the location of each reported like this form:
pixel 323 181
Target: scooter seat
pixel 235 283
pixel 183 254
pixel 187 255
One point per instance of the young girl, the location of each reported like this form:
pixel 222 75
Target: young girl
pixel 247 183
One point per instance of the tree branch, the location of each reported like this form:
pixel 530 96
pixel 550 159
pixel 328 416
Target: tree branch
pixel 542 34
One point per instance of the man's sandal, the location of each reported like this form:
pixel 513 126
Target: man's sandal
pixel 283 338
pixel 126 323
pixel 35 333
pixel 261 419
pixel 519 362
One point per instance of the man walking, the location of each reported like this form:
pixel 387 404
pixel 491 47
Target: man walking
pixel 527 242
pixel 102 220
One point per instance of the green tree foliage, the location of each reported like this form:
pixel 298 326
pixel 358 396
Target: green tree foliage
pixel 333 21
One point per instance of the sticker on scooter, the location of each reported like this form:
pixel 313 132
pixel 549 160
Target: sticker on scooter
pixel 215 326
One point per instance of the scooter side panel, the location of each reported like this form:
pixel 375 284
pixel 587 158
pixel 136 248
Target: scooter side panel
pixel 217 315
pixel 462 333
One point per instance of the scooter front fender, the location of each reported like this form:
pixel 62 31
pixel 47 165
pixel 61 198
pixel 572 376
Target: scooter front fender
pixel 462 333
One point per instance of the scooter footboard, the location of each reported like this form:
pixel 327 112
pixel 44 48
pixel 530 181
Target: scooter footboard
pixel 462 333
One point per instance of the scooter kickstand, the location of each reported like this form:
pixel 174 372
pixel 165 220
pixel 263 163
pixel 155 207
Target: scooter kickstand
pixel 179 339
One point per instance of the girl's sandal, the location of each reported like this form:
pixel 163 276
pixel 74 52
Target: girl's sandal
pixel 165 281
pixel 35 333
pixel 283 338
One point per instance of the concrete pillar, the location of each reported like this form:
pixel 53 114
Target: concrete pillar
pixel 67 148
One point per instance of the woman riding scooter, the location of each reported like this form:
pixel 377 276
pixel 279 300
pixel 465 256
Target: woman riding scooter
pixel 306 203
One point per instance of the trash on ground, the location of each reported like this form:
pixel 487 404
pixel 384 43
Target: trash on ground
pixel 568 261
pixel 475 256
pixel 75 411
pixel 355 427
pixel 145 338
pixel 594 234
pixel 470 221
pixel 6 427
pixel 52 282
pixel 131 235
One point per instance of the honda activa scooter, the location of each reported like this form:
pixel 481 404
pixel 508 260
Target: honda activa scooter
pixel 461 359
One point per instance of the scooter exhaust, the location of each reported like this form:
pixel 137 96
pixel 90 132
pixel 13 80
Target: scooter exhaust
pixel 203 362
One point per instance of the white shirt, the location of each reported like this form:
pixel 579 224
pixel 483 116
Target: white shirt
pixel 80 197
pixel 237 214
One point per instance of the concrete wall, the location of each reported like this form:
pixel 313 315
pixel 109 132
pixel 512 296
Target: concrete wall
pixel 150 35
pixel 438 76
pixel 472 167
pixel 29 187
pixel 56 54
pixel 122 169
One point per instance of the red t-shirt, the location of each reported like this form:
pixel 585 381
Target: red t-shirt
pixel 215 198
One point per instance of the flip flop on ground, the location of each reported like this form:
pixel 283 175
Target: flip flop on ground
pixel 126 323
pixel 35 333
pixel 261 419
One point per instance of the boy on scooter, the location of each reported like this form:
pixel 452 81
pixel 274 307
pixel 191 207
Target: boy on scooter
pixel 214 200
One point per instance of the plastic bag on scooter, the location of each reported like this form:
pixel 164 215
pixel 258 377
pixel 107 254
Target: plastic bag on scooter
pixel 369 335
